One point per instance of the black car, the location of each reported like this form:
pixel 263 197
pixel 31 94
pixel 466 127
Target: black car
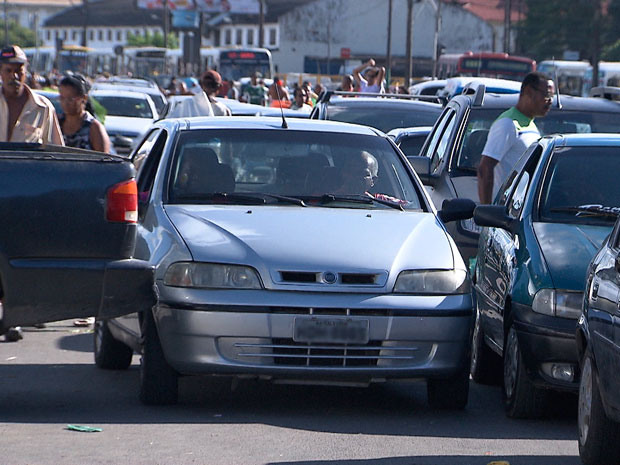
pixel 380 111
pixel 598 345
pixel 451 154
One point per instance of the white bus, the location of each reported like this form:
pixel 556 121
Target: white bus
pixel 608 75
pixel 570 75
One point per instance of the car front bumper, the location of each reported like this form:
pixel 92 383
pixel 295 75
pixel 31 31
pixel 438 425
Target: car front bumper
pixel 408 336
pixel 546 340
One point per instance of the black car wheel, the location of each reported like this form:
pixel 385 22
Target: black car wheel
pixel 158 380
pixel 110 353
pixel 521 398
pixel 598 435
pixel 485 367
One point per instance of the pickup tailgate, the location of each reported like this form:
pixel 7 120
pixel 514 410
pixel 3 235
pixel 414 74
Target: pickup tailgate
pixel 60 257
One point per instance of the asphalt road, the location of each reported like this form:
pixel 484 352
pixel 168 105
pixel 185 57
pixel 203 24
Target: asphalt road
pixel 49 380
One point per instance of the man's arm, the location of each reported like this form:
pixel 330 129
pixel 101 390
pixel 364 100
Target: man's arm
pixel 356 72
pixel 485 179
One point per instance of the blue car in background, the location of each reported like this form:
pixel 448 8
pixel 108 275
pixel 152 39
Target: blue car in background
pixel 547 222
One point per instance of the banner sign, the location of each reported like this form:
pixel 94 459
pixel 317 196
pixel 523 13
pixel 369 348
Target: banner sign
pixel 188 19
pixel 205 6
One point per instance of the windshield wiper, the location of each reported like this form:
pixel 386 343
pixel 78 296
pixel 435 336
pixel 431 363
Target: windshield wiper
pixel 258 198
pixel 364 198
pixel 590 210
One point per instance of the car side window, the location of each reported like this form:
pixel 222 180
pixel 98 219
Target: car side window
pixel 439 130
pixel 518 197
pixel 439 156
pixel 144 149
pixel 148 170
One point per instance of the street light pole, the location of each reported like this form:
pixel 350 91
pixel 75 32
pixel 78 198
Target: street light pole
pixel 165 23
pixel 409 39
pixel 6 23
pixel 389 43
pixel 261 21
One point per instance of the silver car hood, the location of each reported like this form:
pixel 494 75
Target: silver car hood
pixel 313 238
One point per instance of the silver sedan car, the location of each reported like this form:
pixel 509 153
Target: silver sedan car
pixel 292 251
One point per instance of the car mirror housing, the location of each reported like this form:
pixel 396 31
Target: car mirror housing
pixel 422 166
pixel 456 209
pixel 495 216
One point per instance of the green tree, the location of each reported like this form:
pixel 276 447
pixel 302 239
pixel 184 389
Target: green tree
pixel 18 35
pixel 154 40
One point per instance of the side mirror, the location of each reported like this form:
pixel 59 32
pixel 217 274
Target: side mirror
pixel 495 216
pixel 422 166
pixel 456 209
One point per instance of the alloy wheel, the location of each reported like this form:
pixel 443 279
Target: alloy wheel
pixel 511 363
pixel 584 409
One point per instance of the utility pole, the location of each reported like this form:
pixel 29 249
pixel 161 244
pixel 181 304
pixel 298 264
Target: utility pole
pixel 389 43
pixel 507 11
pixel 6 23
pixel 85 23
pixel 436 36
pixel 261 22
pixel 596 43
pixel 409 40
pixel 165 23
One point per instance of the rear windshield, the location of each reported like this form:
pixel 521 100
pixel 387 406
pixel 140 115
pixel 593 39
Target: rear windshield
pixel 579 177
pixel 218 166
pixel 384 117
pixel 556 122
pixel 125 106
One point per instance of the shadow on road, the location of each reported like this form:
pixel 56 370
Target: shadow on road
pixel 446 460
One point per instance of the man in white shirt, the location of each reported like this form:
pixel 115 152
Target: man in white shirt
pixel 512 133
pixel 24 115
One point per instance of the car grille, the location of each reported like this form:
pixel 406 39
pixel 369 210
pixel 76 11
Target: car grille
pixel 304 277
pixel 287 352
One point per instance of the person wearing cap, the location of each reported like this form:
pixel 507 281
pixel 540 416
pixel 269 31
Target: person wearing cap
pixel 25 115
pixel 79 127
pixel 211 81
pixel 255 92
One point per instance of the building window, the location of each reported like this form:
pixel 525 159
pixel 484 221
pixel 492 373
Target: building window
pixel 99 34
pixel 250 36
pixel 48 35
pixel 137 32
pixel 239 36
pixel 91 35
pixel 74 35
pixel 109 34
pixel 119 35
pixel 228 37
pixel 272 37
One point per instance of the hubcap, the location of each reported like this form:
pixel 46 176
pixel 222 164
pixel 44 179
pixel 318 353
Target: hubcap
pixel 585 401
pixel 511 362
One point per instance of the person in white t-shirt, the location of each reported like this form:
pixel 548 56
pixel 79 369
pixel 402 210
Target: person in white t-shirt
pixel 372 81
pixel 512 133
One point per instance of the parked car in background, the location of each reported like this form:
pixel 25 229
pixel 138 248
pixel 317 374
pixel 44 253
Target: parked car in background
pixel 282 253
pixel 410 140
pixel 129 115
pixel 451 154
pixel 598 335
pixel 545 226
pixel 430 87
pixel 384 112
pixel 134 85
pixel 456 85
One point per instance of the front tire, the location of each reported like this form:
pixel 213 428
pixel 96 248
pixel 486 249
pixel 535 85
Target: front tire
pixel 598 435
pixel 110 353
pixel 521 398
pixel 158 380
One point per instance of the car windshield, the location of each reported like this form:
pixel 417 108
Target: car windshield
pixel 557 121
pixel 125 106
pixel 581 185
pixel 307 168
pixel 384 117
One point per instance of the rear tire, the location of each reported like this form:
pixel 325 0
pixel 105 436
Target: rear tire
pixel 598 435
pixel 158 380
pixel 449 393
pixel 521 398
pixel 110 353
pixel 485 366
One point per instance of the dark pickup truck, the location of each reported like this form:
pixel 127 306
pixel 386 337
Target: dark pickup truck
pixel 67 236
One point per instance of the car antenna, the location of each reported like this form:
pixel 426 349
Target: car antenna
pixel 284 124
pixel 558 104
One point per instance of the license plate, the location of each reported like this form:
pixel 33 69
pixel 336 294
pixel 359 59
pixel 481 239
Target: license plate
pixel 334 330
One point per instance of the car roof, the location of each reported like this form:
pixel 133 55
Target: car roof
pixel 383 102
pixel 586 140
pixel 126 87
pixel 120 93
pixel 267 123
pixel 569 102
pixel 414 130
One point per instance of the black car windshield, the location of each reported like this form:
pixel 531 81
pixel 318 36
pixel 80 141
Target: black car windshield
pixel 125 106
pixel 384 117
pixel 556 122
pixel 581 185
pixel 305 168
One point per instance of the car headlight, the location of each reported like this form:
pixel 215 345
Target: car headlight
pixel 440 282
pixel 553 302
pixel 212 275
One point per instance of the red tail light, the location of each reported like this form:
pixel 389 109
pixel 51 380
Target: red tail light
pixel 122 202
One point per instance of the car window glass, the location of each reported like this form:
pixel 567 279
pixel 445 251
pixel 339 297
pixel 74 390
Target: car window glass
pixel 475 137
pixel 616 240
pixel 125 106
pixel 437 133
pixel 386 117
pixel 412 145
pixel 567 121
pixel 577 177
pixel 148 169
pixel 439 155
pixel 300 164
pixel 518 196
pixel 144 149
